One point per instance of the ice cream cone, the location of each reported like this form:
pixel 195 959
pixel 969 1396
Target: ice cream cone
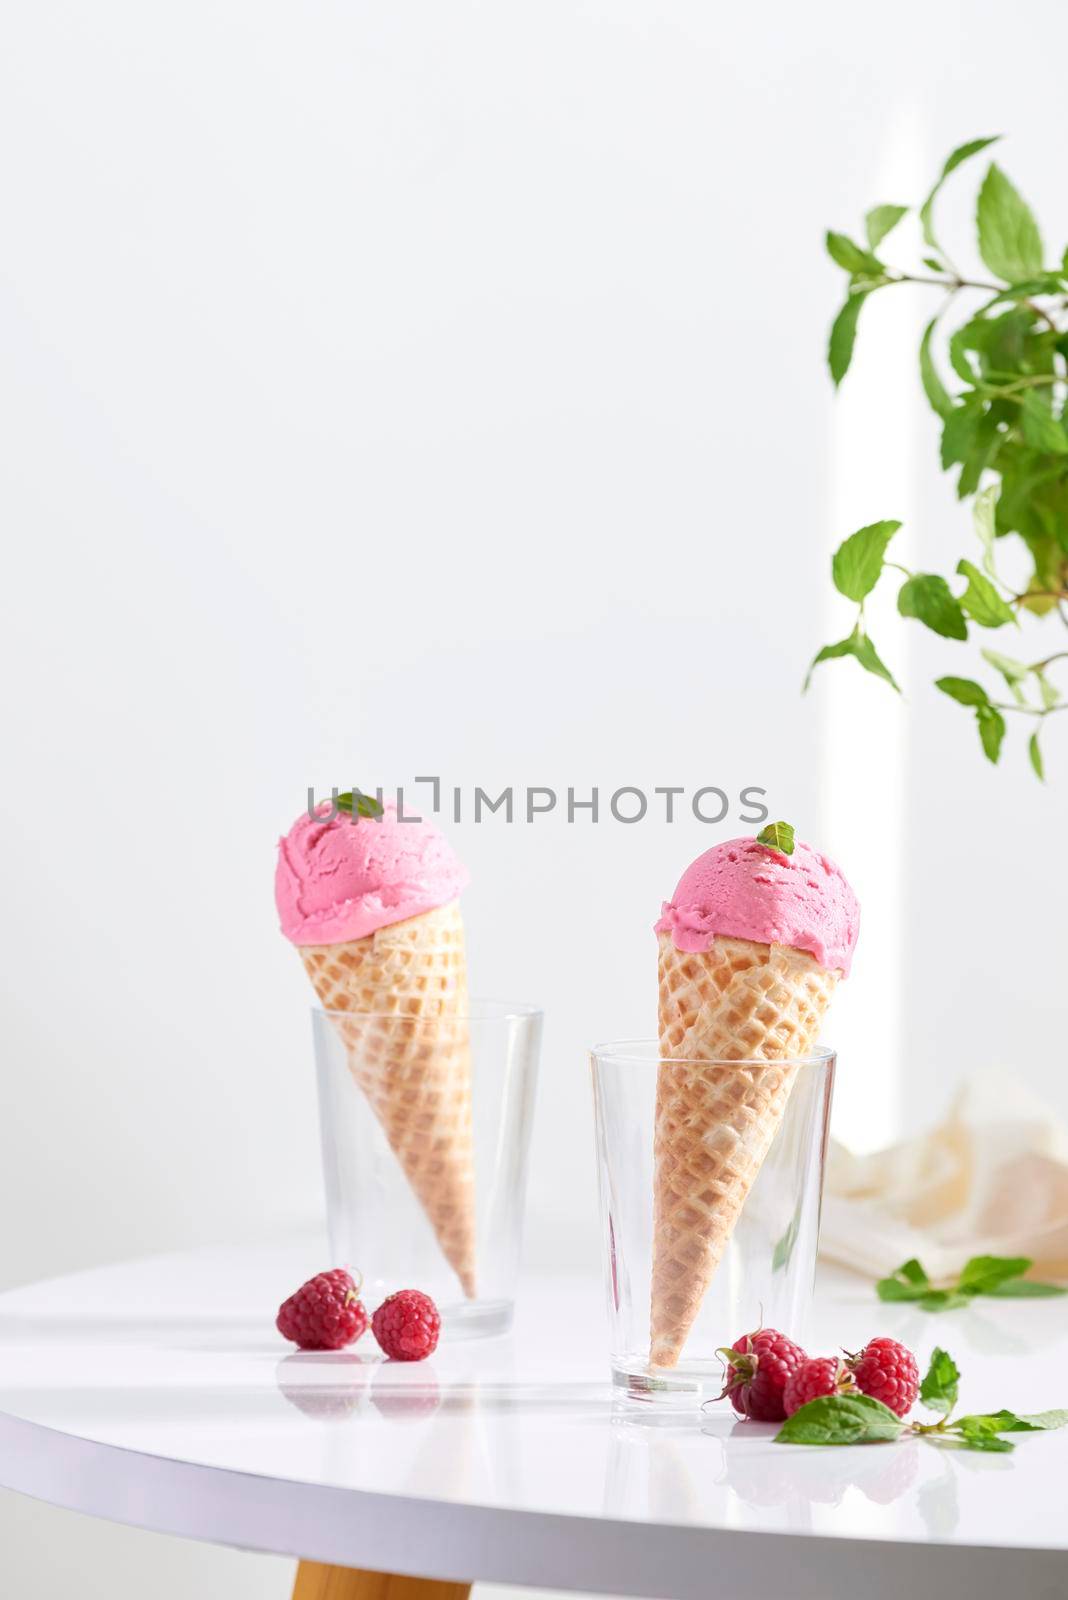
pixel 404 991
pixel 738 1000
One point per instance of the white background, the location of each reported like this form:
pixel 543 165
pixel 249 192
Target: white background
pixel 438 388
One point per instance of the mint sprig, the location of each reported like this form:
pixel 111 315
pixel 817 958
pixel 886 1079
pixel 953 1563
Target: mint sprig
pixel 991 365
pixel 356 804
pixel 999 1276
pixel 777 836
pixel 855 1418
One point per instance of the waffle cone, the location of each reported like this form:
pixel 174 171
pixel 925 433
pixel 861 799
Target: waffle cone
pixel 404 988
pixel 736 1001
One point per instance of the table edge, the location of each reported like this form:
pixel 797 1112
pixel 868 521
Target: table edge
pixel 461 1542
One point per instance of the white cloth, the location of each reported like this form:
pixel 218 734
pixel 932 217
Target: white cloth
pixel 991 1180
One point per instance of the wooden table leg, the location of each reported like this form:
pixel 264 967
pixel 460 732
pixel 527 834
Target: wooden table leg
pixel 316 1582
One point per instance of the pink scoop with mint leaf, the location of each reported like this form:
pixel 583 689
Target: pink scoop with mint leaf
pixel 372 904
pixel 751 947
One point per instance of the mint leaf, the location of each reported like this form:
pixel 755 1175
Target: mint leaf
pixel 844 335
pixel 986 1441
pixel 357 804
pixel 926 596
pixel 1025 1288
pixel 1034 753
pixel 938 1391
pixel 983 1273
pixel 1049 694
pixel 984 512
pixel 943 1300
pixel 952 162
pixel 841 1419
pixel 777 836
pixel 991 730
pixel 1009 241
pixel 879 221
pixel 1039 426
pixel 964 690
pixel 959 434
pixel 995 1422
pixel 992 1422
pixel 907 1282
pixel 1014 672
pixel 842 250
pixel 939 396
pixel 981 600
pixel 858 561
pixel 959 358
pixel 860 647
pixel 1040 1421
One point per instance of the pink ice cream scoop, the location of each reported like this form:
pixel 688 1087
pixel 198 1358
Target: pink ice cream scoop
pixel 744 890
pixel 339 879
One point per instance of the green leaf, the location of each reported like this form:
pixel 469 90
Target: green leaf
pixel 860 647
pixel 981 600
pixel 992 1422
pixel 982 1273
pixel 1040 1421
pixel 981 453
pixel 926 596
pixel 364 805
pixel 907 1282
pixel 984 515
pixel 858 561
pixel 1035 754
pixel 841 1419
pixel 844 335
pixel 953 161
pixel 938 1391
pixel 991 730
pixel 1009 241
pixel 959 433
pixel 944 1300
pixel 880 220
pixel 842 250
pixel 934 263
pixel 778 836
pixel 1049 694
pixel 1040 427
pixel 964 690
pixel 988 1442
pixel 1014 672
pixel 938 395
pixel 1026 1288
pixel 959 359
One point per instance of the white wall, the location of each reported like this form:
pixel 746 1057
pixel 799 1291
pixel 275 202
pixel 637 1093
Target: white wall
pixel 438 387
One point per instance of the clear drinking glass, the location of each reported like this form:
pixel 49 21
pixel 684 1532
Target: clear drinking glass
pixel 765 1276
pixel 378 1226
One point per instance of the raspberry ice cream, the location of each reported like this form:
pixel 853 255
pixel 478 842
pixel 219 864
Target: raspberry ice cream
pixel 338 879
pixel 745 890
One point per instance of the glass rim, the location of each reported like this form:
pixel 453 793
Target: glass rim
pixel 478 1010
pixel 646 1053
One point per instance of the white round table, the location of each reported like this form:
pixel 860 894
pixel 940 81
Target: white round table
pixel 157 1393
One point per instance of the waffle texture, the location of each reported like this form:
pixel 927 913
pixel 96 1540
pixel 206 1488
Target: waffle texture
pixel 404 992
pixel 736 1001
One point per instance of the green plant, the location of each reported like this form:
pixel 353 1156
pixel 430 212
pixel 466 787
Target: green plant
pixel 1004 427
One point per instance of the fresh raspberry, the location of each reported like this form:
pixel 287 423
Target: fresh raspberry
pixel 888 1372
pixel 813 1380
pixel 759 1366
pixel 324 1314
pixel 407 1325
